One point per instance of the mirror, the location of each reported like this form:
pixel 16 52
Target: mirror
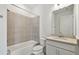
pixel 63 21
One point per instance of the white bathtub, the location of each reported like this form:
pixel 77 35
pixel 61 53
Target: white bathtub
pixel 24 48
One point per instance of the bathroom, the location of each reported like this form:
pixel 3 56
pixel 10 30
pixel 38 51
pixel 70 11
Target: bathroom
pixel 39 29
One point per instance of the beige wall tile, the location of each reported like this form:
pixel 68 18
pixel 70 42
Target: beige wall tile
pixel 22 28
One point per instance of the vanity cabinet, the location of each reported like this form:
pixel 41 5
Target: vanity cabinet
pixel 65 52
pixel 51 50
pixel 58 48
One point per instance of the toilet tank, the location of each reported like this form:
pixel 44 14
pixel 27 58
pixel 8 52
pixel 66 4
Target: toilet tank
pixel 42 41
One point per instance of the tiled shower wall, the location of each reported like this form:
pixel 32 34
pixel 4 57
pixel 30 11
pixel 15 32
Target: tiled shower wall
pixel 21 28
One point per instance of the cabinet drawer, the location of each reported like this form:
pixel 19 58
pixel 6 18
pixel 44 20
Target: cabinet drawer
pixel 62 45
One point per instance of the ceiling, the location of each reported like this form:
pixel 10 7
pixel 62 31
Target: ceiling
pixel 31 6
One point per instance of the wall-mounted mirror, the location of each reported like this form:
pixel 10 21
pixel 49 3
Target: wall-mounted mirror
pixel 64 21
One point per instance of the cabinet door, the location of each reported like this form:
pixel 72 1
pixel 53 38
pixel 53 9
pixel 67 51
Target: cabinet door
pixel 65 52
pixel 50 50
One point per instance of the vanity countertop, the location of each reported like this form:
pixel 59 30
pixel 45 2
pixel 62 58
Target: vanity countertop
pixel 67 40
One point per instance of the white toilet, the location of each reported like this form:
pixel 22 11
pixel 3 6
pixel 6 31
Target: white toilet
pixel 38 49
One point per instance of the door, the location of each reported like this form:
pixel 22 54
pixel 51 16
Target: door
pixel 1 35
pixel 50 50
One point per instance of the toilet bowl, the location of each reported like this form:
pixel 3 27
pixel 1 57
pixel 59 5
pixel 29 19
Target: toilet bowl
pixel 38 49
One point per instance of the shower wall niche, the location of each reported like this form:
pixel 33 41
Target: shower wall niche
pixel 21 28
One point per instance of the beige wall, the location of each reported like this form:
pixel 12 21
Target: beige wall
pixel 21 28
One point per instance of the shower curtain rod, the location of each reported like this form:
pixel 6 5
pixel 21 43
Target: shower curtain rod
pixel 23 9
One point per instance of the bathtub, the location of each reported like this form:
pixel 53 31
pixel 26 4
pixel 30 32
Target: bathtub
pixel 24 48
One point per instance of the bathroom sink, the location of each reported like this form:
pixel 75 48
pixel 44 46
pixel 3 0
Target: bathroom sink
pixel 58 37
pixel 61 38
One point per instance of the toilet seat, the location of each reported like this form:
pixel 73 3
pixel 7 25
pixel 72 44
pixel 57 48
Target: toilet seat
pixel 38 47
pixel 38 50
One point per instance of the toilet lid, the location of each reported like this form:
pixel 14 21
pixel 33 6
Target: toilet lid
pixel 38 47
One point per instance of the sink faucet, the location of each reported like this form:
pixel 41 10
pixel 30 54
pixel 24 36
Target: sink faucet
pixel 60 36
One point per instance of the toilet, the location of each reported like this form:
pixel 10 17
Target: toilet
pixel 39 49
